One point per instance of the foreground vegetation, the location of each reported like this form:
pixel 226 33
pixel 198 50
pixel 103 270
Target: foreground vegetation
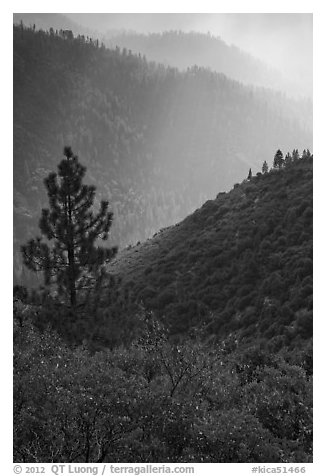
pixel 158 401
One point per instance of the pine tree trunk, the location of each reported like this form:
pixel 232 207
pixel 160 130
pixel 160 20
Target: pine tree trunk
pixel 71 257
pixel 72 285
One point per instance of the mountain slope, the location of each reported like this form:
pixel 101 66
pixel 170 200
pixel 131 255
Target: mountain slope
pixel 156 142
pixel 183 50
pixel 241 263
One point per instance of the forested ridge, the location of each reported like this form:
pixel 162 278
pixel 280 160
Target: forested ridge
pixel 157 142
pixel 56 21
pixel 185 49
pixel 242 262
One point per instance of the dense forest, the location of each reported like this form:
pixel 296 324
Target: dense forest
pixel 198 350
pixel 156 141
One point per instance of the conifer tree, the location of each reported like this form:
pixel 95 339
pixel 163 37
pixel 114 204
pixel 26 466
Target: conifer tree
pixel 288 159
pixel 309 155
pixel 250 174
pixel 295 155
pixel 72 229
pixel 278 159
pixel 264 168
pixel 306 154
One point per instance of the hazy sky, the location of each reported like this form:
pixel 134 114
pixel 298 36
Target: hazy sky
pixel 283 40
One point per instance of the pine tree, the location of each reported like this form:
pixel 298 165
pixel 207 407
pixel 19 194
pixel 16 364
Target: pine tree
pixel 278 159
pixel 249 175
pixel 295 155
pixel 264 168
pixel 72 228
pixel 309 154
pixel 306 154
pixel 288 159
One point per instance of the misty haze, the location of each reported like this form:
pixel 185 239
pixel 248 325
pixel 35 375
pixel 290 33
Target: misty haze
pixel 162 238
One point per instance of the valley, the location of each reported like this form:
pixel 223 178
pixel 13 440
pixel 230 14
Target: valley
pixel 162 241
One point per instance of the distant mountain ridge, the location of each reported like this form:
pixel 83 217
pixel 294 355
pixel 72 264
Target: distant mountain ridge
pixel 183 50
pixel 156 142
pixel 57 21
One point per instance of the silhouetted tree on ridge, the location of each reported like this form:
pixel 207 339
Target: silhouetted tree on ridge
pixel 278 159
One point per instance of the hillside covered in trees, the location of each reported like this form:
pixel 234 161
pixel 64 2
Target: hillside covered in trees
pixel 242 263
pixel 201 353
pixel 183 47
pixel 183 50
pixel 156 141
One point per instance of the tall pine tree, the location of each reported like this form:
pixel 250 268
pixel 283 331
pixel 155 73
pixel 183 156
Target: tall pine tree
pixel 278 159
pixel 295 155
pixel 71 227
pixel 288 159
pixel 265 167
